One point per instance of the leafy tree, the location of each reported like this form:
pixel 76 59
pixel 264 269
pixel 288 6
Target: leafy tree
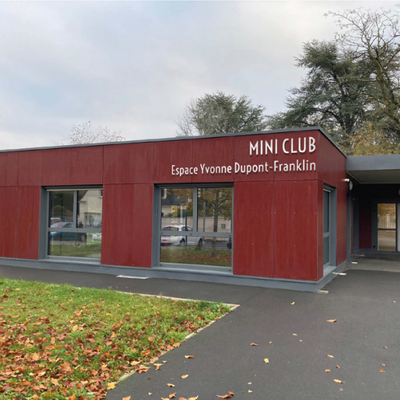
pixel 352 85
pixel 333 94
pixel 84 134
pixel 372 140
pixel 218 113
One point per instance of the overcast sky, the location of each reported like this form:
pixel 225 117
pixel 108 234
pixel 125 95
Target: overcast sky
pixel 134 66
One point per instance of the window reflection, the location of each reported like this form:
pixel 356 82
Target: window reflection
pixel 61 207
pixel 90 203
pixel 176 207
pixel 196 250
pixel 214 209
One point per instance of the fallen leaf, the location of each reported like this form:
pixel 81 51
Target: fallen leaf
pixel 172 395
pixel 253 344
pixel 384 365
pixel 126 398
pixel 188 356
pixel 193 398
pixel 150 393
pixel 165 361
pixel 331 320
pixel 164 398
pixel 292 303
pixel 184 376
pixel 250 391
pixel 157 366
pixel 382 371
pixel 300 340
pixel 249 383
pixel 111 385
pixel 327 370
pixel 150 339
pixel 338 381
pixel 226 396
pixel 266 360
pixel 170 385
pixel 330 356
pixel 337 366
pixel 341 389
pixel 294 334
pixel 270 342
pixel 385 347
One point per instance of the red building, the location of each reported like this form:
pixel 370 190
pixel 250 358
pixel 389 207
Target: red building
pixel 266 208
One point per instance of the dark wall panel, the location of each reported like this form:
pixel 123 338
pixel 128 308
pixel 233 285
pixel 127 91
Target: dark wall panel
pixel 341 226
pixel 28 222
pixel 365 223
pixel 127 225
pixel 295 227
pixel 8 221
pixel 9 169
pixel 253 229
pixel 129 163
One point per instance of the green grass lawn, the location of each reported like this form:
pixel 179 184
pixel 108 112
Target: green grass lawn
pixel 57 341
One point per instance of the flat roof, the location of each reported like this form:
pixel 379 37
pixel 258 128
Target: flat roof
pixel 374 169
pixel 311 128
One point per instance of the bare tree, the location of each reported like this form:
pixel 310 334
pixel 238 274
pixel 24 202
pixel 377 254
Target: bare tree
pixel 84 134
pixel 373 37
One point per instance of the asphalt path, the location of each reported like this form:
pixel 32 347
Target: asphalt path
pixel 296 338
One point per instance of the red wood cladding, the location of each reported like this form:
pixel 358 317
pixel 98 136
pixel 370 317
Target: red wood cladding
pixel 253 229
pixel 277 215
pixel 129 163
pixel 9 169
pixel 28 210
pixel 295 239
pixel 127 225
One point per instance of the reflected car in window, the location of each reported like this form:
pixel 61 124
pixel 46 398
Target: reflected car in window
pixel 176 240
pixel 66 236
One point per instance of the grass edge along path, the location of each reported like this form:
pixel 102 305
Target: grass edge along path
pixel 60 341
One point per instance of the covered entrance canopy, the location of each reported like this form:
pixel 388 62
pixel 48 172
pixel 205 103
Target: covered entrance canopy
pixel 375 203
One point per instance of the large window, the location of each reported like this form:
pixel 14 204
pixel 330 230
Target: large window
pixel 74 223
pixel 196 226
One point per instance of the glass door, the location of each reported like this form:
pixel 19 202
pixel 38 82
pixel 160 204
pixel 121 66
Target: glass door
pixel 387 227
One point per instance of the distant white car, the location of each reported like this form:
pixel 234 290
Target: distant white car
pixel 176 240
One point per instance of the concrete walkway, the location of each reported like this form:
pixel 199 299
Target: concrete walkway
pixel 295 338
